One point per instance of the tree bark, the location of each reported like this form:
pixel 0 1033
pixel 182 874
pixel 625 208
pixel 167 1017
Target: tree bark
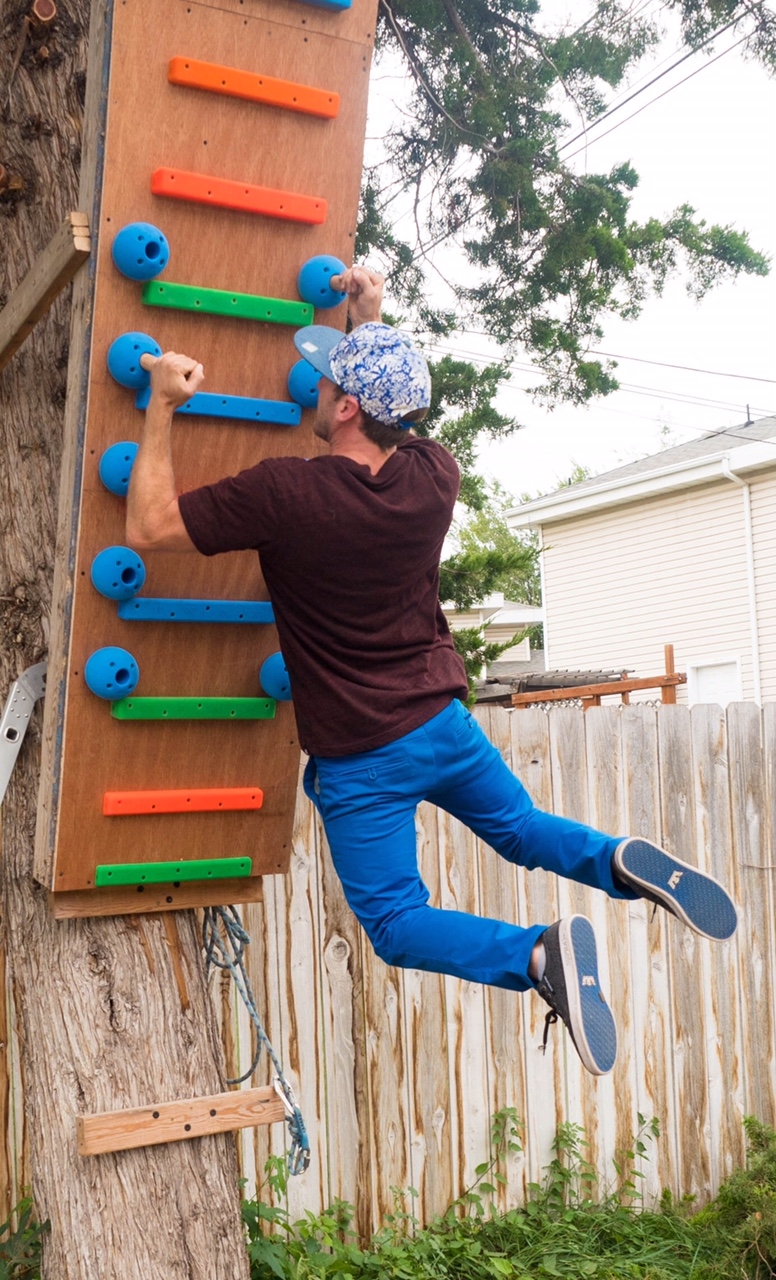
pixel 111 1012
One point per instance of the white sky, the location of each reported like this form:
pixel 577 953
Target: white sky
pixel 710 142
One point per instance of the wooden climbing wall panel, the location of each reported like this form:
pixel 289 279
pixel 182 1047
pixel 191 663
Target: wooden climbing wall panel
pixel 152 124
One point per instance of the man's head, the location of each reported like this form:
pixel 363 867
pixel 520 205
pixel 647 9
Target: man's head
pixel 387 376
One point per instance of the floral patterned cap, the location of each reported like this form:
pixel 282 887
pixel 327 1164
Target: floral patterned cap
pixel 373 363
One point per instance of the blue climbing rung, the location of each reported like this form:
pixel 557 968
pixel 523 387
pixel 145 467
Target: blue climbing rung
pixel 330 4
pixel 207 404
pixel 151 609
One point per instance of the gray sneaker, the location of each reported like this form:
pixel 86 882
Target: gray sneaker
pixel 571 988
pixel 694 898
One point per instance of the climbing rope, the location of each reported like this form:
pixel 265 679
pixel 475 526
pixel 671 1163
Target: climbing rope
pixel 224 940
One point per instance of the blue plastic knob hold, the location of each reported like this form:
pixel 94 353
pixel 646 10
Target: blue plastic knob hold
pixel 116 466
pixel 303 382
pixel 118 573
pixel 141 251
pixel 273 678
pixel 111 673
pixel 124 359
pixel 314 283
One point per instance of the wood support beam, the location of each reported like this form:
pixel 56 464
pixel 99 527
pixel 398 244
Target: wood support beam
pixel 51 271
pixel 177 1121
pixel 597 691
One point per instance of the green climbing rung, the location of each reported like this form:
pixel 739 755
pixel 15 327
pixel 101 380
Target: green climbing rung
pixel 222 302
pixel 171 872
pixel 194 708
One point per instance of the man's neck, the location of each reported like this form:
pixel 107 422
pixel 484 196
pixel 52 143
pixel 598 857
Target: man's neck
pixel 356 446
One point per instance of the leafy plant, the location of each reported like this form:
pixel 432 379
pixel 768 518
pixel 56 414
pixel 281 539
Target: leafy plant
pixel 744 1212
pixel 21 1243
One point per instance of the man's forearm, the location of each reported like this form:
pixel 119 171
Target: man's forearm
pixel 153 514
pixel 152 490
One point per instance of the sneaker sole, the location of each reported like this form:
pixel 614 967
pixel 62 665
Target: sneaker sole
pixel 696 899
pixel 592 1025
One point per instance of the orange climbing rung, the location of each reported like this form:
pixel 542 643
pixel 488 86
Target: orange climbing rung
pixel 188 800
pixel 242 196
pixel 194 74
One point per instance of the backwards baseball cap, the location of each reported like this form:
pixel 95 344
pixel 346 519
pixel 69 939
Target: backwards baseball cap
pixel 387 375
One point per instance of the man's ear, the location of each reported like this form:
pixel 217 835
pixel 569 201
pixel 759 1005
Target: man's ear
pixel 348 409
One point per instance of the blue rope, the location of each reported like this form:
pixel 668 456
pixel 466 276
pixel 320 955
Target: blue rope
pixel 224 940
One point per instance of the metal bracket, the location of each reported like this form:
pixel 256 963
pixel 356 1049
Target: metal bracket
pixel 18 709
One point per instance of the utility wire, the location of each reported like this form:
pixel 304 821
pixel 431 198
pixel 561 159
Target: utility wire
pixel 589 142
pixel 686 368
pixel 659 393
pixel 617 355
pixel 619 105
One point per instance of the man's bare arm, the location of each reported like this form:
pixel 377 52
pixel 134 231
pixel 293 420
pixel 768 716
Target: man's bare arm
pixel 154 520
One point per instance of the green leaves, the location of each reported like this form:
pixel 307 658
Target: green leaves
pixel 21 1241
pixel 550 253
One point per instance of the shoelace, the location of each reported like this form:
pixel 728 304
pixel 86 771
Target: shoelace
pixel 551 1018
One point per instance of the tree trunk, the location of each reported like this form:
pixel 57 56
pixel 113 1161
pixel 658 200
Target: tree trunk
pixel 111 1012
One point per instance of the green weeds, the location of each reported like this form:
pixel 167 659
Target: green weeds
pixel 570 1228
pixel 20 1244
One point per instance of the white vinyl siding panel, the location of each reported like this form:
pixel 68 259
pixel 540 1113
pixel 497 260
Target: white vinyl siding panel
pixel 621 583
pixel 763 491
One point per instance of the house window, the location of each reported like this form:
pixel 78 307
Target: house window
pixel 716 680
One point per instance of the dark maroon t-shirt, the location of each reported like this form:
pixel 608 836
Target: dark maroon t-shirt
pixel 351 562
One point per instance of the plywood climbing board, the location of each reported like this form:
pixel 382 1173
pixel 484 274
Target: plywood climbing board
pixel 225 100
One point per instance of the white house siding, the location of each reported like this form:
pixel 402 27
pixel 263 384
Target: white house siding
pixel 763 490
pixel 623 582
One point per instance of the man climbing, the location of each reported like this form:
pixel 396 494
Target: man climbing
pixel 350 544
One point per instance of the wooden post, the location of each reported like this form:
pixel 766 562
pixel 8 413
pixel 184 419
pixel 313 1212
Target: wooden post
pixel 668 692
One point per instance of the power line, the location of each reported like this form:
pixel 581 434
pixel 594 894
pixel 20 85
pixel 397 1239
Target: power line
pixel 686 368
pixel 635 389
pixel 619 105
pixel 657 98
pixel 616 355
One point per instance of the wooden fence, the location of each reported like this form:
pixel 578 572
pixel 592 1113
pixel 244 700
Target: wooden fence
pixel 399 1073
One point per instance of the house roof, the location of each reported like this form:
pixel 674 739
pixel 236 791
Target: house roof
pixel 713 456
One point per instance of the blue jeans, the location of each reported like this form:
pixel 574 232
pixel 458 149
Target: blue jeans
pixel 368 802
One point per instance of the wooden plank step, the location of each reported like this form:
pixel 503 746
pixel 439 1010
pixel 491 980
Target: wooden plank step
pixel 51 271
pixel 177 1121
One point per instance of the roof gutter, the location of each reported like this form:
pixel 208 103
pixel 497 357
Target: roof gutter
pixel 754 628
pixel 569 503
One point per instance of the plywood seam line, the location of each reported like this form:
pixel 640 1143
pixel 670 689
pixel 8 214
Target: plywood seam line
pixel 224 941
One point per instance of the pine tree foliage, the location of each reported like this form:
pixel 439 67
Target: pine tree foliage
pixel 490 557
pixel 549 252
